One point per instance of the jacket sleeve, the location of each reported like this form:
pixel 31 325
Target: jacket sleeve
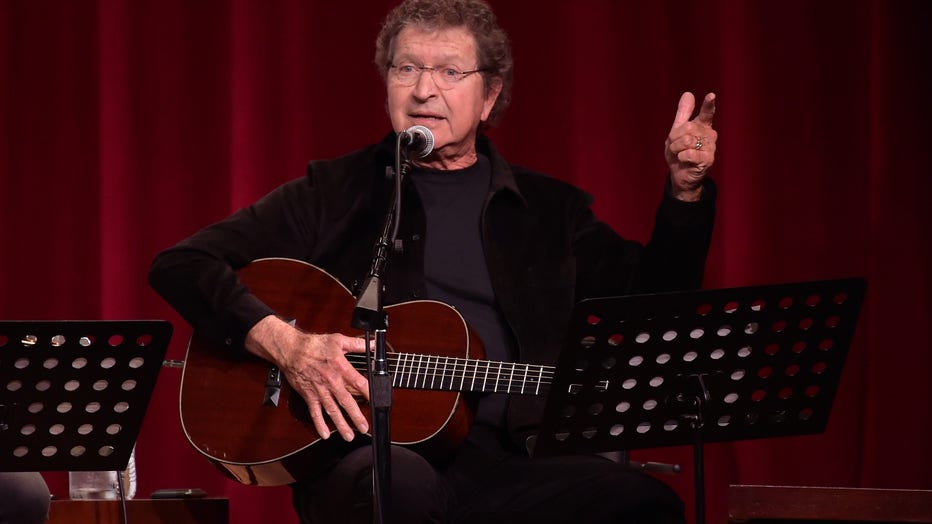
pixel 673 259
pixel 197 276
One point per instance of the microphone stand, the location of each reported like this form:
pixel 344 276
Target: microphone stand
pixel 369 315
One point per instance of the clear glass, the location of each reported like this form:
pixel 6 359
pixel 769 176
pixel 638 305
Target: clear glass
pixel 408 74
pixel 103 484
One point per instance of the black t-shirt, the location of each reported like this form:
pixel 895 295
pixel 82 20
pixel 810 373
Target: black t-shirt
pixel 455 268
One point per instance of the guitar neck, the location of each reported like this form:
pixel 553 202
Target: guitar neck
pixel 416 371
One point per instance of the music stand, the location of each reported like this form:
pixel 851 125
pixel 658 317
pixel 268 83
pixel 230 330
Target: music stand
pixel 648 371
pixel 75 392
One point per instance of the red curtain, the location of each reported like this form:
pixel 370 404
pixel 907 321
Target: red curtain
pixel 127 125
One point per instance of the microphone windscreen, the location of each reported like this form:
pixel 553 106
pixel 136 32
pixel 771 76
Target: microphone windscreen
pixel 422 142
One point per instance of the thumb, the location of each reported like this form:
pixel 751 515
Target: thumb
pixel 684 110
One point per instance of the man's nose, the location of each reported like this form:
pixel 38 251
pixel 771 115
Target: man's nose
pixel 425 86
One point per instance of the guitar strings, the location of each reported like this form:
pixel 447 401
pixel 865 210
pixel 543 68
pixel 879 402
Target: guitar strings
pixel 487 375
pixel 456 367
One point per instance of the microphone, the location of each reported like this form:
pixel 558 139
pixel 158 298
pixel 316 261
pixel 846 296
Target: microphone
pixel 418 140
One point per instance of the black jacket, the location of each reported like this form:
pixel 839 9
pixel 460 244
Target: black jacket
pixel 544 248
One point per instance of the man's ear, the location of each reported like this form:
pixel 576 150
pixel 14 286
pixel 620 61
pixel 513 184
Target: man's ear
pixel 495 88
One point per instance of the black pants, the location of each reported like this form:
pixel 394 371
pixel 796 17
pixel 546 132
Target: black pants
pixel 482 487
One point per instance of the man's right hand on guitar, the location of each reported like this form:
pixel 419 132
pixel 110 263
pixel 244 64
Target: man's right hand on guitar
pixel 316 368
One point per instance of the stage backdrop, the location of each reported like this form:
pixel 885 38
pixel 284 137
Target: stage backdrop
pixel 127 125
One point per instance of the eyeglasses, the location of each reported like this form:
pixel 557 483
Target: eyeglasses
pixel 409 74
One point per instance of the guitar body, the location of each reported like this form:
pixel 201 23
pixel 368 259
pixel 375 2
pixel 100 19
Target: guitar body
pixel 256 443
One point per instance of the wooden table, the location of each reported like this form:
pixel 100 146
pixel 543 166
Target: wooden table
pixel 791 504
pixel 141 511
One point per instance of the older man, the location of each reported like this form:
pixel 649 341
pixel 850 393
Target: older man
pixel 511 249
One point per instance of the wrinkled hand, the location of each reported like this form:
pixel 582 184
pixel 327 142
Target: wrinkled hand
pixel 690 146
pixel 317 369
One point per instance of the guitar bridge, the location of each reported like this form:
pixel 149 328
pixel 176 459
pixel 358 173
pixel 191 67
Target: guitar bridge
pixel 273 382
pixel 273 387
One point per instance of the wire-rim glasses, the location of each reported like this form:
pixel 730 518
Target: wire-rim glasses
pixel 407 74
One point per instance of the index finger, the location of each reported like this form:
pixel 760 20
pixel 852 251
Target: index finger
pixel 350 368
pixel 707 112
pixel 356 344
pixel 351 407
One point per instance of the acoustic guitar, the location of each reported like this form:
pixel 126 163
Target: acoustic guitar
pixel 240 413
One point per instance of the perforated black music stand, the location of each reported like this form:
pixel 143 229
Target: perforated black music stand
pixel 75 392
pixel 719 365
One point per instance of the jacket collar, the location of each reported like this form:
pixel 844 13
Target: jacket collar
pixel 503 178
